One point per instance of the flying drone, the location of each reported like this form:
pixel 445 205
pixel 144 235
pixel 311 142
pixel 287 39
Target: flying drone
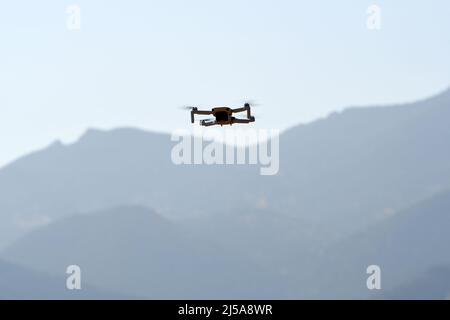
pixel 222 115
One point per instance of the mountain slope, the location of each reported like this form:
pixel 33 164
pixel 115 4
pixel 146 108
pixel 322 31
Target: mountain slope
pixel 410 244
pixel 102 170
pixel 356 166
pixel 133 250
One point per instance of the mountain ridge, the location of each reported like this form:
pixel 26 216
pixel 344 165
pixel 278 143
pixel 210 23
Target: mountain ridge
pixel 332 158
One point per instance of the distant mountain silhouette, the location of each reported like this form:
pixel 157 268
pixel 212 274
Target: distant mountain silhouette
pixel 102 170
pixel 135 251
pixel 360 169
pixel 357 167
pixel 363 161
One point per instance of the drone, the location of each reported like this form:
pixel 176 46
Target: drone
pixel 222 115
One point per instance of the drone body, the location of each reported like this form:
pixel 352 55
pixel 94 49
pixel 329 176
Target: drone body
pixel 222 115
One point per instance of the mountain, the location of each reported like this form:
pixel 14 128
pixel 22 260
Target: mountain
pixel 359 170
pixel 357 167
pixel 408 245
pixel 135 251
pixel 21 283
pixel 102 170
pixel 365 162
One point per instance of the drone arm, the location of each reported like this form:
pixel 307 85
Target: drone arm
pixel 202 112
pixel 251 119
pixel 239 110
pixel 244 108
pixel 195 111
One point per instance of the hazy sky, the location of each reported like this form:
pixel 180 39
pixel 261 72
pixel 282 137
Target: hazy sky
pixel 134 62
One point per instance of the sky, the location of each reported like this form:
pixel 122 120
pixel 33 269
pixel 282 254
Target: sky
pixel 134 63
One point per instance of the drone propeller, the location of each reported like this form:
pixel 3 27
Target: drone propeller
pixel 186 107
pixel 252 103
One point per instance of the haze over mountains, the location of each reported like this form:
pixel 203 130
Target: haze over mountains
pixel 365 186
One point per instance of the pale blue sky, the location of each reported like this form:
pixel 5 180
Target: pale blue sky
pixel 134 62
